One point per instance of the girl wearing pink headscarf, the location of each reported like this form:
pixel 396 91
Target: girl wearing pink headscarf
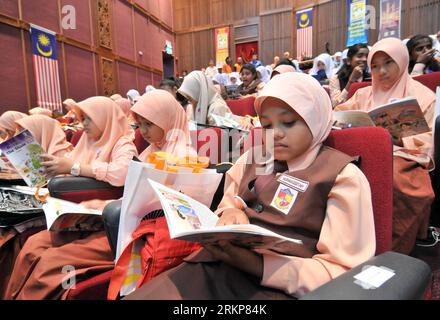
pixel 39 110
pixel 388 61
pixel 52 139
pixel 283 68
pixel 103 152
pixel 299 112
pixel 106 147
pixel 8 127
pixel 48 133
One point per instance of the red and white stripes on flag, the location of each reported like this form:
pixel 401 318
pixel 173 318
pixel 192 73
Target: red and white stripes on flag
pixel 304 42
pixel 47 83
pixel 46 73
pixel 304 33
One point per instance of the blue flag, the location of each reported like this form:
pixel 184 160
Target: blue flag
pixel 304 19
pixel 44 43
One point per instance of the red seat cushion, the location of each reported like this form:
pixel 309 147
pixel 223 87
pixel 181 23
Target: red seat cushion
pixel 75 137
pixel 140 143
pixel 242 107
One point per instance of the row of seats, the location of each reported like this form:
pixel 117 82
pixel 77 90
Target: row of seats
pixel 375 148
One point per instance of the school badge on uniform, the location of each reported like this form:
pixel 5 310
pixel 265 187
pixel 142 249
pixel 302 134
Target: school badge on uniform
pixel 284 199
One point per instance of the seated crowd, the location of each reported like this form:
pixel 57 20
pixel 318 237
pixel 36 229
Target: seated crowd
pixel 333 216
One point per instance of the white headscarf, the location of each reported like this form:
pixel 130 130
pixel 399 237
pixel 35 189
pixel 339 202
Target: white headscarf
pixel 133 95
pixel 265 77
pixel 197 86
pixel 296 63
pixel 236 76
pixel 149 88
pixel 327 60
pixel 344 55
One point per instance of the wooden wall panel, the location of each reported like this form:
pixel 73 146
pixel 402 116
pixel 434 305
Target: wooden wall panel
pixel 182 14
pixel 244 9
pixel 12 88
pixel 200 13
pixel 331 26
pixel 126 78
pixel 42 12
pixel 80 76
pixel 142 33
pixel 83 31
pixel 9 8
pixel 166 12
pixel 153 7
pixel 123 37
pixel 221 11
pixel 276 35
pixel 268 5
pixel 423 17
pixel 144 79
pixel 157 45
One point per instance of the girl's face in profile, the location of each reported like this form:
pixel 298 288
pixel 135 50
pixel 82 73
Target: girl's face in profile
pixel 384 70
pixel 90 128
pixel 291 135
pixel 149 131
pixel 321 65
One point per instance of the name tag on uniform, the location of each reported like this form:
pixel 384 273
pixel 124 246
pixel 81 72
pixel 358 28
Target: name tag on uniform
pixel 284 198
pixel 295 183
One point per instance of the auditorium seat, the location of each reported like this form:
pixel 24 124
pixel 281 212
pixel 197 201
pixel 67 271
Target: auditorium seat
pixel 430 80
pixel 242 107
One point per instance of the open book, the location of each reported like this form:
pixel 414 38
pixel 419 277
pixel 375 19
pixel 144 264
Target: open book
pixel 230 121
pixel 402 118
pixel 190 220
pixel 24 154
pixel 63 215
pixel 140 199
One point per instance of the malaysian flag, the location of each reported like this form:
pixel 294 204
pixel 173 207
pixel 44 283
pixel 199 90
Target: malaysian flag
pixel 44 56
pixel 304 32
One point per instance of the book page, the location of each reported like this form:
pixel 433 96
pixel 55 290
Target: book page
pixel 24 154
pixel 183 213
pixel 402 118
pixel 436 110
pixel 63 215
pixel 351 119
pixel 191 221
pixel 139 199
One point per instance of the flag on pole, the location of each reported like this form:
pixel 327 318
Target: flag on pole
pixel 46 73
pixel 304 33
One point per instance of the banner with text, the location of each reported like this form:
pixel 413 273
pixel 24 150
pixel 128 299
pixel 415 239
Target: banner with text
pixel 221 45
pixel 357 27
pixel 389 19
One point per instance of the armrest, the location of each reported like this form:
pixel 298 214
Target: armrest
pixel 77 189
pixel 411 281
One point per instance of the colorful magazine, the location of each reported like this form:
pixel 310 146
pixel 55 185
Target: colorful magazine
pixel 190 220
pixel 25 155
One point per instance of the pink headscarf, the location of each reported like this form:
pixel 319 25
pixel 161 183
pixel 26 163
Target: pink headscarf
pixel 69 103
pixel 162 109
pixel 305 96
pixel 125 105
pixel 48 133
pixel 7 120
pixel 371 97
pixel 39 110
pixel 284 68
pixel 110 119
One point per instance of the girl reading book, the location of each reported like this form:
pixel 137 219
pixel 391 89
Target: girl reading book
pixel 103 152
pixel 388 61
pixel 326 215
pixel 8 127
pixel 48 133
